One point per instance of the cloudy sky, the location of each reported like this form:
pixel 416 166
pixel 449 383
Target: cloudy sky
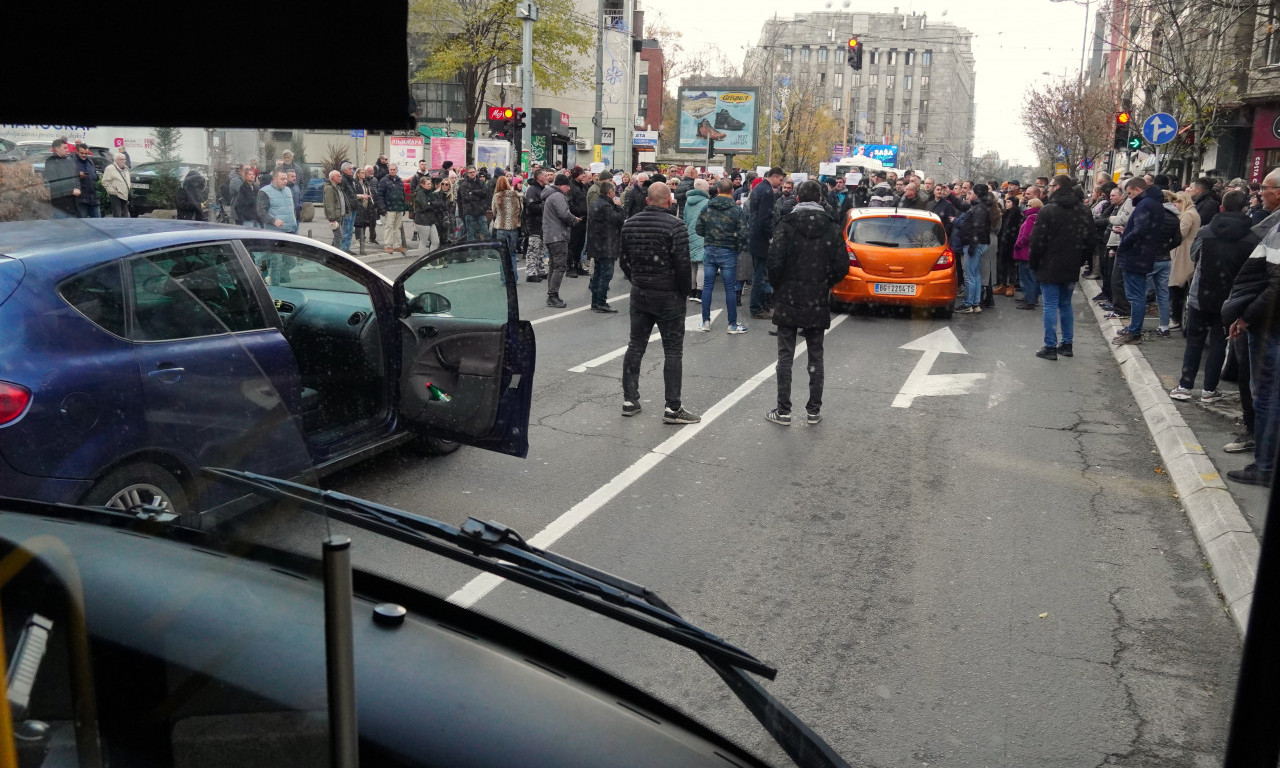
pixel 1013 44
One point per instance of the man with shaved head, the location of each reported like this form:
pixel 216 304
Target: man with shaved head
pixel 655 259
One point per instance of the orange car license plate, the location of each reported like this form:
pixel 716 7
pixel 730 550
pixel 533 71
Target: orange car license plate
pixel 896 289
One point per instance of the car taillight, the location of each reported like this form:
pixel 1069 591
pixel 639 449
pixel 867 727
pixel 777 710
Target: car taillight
pixel 13 401
pixel 853 257
pixel 945 261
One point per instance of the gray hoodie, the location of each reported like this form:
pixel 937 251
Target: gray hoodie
pixel 556 218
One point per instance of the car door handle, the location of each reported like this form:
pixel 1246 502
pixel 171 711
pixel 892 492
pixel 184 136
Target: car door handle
pixel 428 331
pixel 167 374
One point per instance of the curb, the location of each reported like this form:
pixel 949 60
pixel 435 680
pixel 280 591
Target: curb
pixel 1222 532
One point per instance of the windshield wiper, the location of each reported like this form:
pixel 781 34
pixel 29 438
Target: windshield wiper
pixel 882 243
pixel 499 550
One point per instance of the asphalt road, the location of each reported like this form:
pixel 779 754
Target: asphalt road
pixel 995 578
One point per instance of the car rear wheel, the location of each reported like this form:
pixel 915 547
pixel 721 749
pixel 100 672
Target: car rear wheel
pixel 943 313
pixel 133 486
pixel 435 446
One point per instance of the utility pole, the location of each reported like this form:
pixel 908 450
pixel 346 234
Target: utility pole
pixel 528 13
pixel 598 120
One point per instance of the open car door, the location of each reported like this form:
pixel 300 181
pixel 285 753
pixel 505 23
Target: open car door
pixel 466 357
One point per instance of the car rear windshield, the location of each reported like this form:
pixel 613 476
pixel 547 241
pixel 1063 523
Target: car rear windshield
pixel 897 232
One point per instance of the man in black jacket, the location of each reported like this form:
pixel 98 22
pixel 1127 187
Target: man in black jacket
pixel 63 180
pixel 604 241
pixel 633 201
pixel 1063 235
pixel 1219 251
pixel 577 199
pixel 655 258
pixel 1205 201
pixel 760 206
pixel 535 256
pixel 806 259
pixel 473 201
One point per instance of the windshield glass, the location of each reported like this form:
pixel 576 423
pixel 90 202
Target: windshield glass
pixel 939 495
pixel 897 232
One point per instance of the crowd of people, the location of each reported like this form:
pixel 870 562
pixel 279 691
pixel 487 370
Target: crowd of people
pixel 1207 255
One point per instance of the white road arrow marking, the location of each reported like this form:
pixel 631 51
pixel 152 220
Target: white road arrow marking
pixel 921 383
pixel 691 323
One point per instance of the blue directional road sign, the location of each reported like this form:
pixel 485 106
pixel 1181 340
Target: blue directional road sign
pixel 357 133
pixel 1160 128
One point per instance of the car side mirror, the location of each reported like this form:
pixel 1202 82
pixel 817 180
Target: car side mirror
pixel 429 304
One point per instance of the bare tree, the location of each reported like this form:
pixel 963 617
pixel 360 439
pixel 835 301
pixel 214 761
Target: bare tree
pixel 1079 118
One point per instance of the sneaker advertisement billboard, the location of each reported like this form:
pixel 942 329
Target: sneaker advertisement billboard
pixel 729 117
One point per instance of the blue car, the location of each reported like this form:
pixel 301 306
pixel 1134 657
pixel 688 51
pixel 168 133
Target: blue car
pixel 137 352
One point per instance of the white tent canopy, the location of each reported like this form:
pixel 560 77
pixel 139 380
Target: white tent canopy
pixel 869 163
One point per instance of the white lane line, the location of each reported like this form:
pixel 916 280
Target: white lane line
pixel 691 323
pixel 473 277
pixel 567 312
pixel 483 584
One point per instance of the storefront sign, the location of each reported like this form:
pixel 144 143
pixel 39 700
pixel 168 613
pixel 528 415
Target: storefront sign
pixel 646 139
pixel 405 152
pixel 606 135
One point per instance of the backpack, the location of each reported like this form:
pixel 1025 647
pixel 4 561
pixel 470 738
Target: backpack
pixel 1170 230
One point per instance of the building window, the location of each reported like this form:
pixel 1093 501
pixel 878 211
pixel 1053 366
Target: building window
pixel 835 104
pixel 924 109
pixel 926 58
pixel 875 56
pixel 911 58
pixel 839 79
pixel 906 82
pixel 643 107
pixel 439 101
pixel 822 78
pixel 644 83
pixel 888 80
pixel 804 55
pixel 874 79
pixel 893 56
pixel 822 55
pixel 1271 29
pixel 924 82
pixel 613 15
pixel 786 54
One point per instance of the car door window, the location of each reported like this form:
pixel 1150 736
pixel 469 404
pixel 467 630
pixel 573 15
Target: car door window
pixel 190 292
pixel 98 295
pixel 476 292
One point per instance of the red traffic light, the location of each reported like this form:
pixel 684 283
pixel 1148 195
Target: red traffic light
pixel 1123 118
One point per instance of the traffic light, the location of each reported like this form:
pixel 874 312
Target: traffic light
pixel 518 127
pixel 855 53
pixel 1122 139
pixel 1135 142
pixel 519 124
pixel 508 122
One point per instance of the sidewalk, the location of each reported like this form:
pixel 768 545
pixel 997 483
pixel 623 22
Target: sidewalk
pixel 1226 517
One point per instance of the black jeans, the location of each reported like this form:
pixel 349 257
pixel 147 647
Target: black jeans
pixel 666 310
pixel 559 253
pixel 787 354
pixel 119 208
pixel 1107 262
pixel 1199 328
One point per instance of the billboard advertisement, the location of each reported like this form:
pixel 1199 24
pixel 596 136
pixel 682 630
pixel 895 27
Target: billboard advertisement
pixel 448 149
pixel 728 117
pixel 405 152
pixel 492 154
pixel 885 153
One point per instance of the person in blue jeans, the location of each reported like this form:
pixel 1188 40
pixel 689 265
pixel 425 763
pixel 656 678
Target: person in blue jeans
pixel 1141 248
pixel 1022 256
pixel 1062 239
pixel 975 234
pixel 1260 321
pixel 1160 281
pixel 722 226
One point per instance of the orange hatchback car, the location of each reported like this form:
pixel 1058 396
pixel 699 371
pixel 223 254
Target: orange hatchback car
pixel 897 257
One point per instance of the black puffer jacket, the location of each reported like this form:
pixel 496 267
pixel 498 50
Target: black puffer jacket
pixel 977 228
pixel 807 257
pixel 655 252
pixel 633 201
pixel 577 199
pixel 604 229
pixel 1063 236
pixel 533 209
pixel 1224 246
pixel 473 197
